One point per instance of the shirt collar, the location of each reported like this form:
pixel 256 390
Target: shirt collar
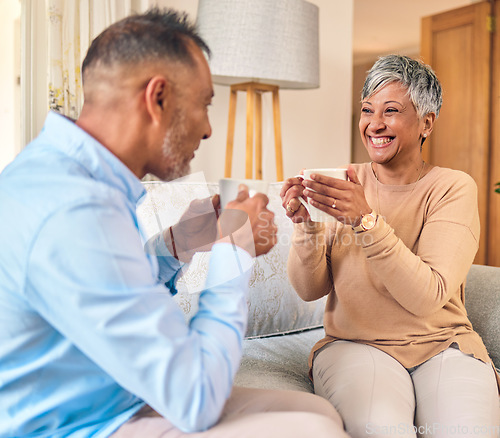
pixel 65 135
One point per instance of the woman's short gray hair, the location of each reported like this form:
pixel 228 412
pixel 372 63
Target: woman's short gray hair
pixel 420 80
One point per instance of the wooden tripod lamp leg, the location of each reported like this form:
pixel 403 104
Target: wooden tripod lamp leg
pixel 249 148
pixel 277 134
pixel 258 135
pixel 230 133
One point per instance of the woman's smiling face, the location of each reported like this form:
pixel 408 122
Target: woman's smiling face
pixel 390 127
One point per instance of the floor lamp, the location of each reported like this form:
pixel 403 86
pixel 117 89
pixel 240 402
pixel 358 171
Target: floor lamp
pixel 260 46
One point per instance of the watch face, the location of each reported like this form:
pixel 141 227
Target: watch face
pixel 368 221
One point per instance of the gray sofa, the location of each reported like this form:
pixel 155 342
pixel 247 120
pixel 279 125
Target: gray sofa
pixel 282 328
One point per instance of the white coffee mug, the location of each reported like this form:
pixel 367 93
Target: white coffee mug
pixel 229 188
pixel 315 213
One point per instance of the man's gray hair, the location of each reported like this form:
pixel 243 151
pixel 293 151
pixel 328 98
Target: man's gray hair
pixel 424 89
pixel 158 34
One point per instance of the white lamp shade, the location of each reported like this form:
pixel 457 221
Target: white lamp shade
pixel 270 41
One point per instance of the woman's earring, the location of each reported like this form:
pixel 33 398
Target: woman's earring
pixel 425 135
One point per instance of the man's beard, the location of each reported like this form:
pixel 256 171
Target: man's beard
pixel 177 163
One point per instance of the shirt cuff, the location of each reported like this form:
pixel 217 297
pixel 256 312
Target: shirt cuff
pixel 311 227
pixel 169 267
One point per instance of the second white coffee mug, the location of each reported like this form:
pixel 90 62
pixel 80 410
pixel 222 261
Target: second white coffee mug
pixel 316 214
pixel 229 188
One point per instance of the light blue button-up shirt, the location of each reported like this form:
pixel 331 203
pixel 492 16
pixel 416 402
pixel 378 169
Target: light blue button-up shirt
pixel 88 330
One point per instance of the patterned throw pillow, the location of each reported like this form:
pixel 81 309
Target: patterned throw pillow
pixel 274 307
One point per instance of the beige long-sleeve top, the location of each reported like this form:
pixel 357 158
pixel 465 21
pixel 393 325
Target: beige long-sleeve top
pixel 400 286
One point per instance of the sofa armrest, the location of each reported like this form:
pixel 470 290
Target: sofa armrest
pixel 482 301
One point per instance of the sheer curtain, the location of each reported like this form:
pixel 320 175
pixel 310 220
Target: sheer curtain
pixel 72 25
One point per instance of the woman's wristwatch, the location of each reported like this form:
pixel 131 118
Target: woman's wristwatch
pixel 368 221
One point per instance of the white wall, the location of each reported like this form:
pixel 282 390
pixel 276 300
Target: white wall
pixel 10 12
pixel 316 124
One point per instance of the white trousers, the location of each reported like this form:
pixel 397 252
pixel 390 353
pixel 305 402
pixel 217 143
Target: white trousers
pixel 251 413
pixel 451 394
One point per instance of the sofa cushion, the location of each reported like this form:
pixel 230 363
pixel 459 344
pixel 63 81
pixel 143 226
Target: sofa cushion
pixel 482 301
pixel 274 307
pixel 278 362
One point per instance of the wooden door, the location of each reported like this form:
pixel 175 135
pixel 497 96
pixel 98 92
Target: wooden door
pixel 457 44
pixel 494 198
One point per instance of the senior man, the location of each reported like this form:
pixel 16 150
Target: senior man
pixel 91 341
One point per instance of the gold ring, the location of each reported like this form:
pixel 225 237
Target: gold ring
pixel 334 205
pixel 288 208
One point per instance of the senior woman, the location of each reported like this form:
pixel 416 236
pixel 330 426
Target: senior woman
pixel 400 356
